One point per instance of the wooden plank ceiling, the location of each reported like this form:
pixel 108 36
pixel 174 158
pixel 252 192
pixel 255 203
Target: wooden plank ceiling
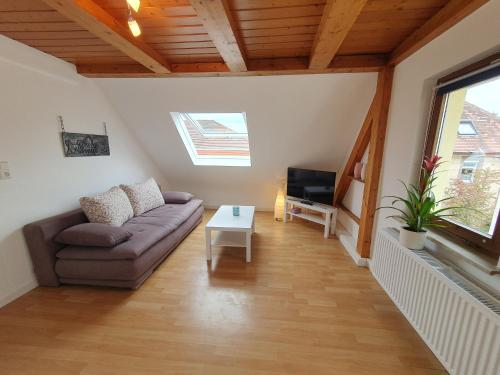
pixel 223 37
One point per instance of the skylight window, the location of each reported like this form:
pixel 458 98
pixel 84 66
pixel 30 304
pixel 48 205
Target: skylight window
pixel 214 138
pixel 466 127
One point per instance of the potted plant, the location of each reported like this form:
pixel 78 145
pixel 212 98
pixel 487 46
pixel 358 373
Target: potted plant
pixel 420 209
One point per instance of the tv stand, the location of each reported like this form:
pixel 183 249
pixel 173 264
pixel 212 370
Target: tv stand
pixel 327 214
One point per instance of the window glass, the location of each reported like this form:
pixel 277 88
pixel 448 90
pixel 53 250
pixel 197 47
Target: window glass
pixel 469 142
pixel 214 138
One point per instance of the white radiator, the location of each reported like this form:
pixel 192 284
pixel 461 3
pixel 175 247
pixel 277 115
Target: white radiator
pixel 458 322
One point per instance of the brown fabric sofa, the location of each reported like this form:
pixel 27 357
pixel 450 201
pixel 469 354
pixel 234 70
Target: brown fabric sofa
pixel 155 234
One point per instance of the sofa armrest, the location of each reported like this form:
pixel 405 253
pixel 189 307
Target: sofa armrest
pixel 176 197
pixel 39 237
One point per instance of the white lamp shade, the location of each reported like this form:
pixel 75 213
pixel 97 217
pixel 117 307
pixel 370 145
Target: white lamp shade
pixel 279 205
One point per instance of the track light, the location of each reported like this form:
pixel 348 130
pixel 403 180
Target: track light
pixel 134 4
pixel 134 26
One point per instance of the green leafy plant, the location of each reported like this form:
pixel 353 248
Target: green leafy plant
pixel 478 196
pixel 420 210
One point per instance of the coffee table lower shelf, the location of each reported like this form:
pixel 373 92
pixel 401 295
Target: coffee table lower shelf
pixel 232 239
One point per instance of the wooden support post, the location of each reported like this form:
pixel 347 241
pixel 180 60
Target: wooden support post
pixel 357 153
pixel 377 138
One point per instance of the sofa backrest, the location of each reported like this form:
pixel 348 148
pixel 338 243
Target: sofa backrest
pixel 40 240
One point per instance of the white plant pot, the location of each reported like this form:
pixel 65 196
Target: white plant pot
pixel 412 240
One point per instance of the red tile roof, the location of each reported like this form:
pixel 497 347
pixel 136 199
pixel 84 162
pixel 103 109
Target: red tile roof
pixel 226 143
pixel 487 126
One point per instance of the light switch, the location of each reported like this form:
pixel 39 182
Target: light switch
pixel 4 170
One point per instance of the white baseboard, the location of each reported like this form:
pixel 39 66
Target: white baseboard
pixel 23 289
pixel 347 240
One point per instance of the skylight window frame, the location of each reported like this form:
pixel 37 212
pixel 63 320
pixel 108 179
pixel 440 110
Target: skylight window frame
pixel 210 160
pixel 469 123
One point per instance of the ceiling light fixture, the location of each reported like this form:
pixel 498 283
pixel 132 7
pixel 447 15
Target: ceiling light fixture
pixel 132 23
pixel 134 26
pixel 134 4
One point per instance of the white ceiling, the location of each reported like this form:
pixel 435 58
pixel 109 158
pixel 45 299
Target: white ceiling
pixel 307 121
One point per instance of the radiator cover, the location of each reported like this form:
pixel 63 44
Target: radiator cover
pixel 459 323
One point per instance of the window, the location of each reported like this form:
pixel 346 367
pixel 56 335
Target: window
pixel 465 131
pixel 468 169
pixel 214 138
pixel 466 127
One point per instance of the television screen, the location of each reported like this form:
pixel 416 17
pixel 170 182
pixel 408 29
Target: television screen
pixel 310 185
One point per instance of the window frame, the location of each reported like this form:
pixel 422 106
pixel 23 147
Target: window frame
pixel 484 244
pixel 211 161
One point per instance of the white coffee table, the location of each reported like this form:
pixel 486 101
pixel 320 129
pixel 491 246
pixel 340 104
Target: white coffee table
pixel 234 231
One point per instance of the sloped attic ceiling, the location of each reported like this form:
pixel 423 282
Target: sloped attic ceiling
pixel 304 121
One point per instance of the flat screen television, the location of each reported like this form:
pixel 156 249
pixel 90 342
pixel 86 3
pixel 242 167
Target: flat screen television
pixel 311 186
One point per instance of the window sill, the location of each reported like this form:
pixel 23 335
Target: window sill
pixel 468 254
pixel 440 245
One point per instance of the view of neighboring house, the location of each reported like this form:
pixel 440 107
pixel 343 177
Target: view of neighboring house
pixel 215 139
pixel 472 159
pixel 478 143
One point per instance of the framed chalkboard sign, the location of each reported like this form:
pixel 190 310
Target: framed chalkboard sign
pixel 77 144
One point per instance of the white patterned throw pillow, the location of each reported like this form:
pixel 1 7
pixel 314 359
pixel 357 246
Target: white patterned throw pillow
pixel 144 196
pixel 112 207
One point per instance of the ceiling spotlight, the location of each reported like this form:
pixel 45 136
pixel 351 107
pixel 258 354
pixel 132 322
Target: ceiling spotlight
pixel 134 4
pixel 134 26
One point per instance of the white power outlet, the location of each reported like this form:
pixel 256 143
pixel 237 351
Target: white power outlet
pixel 4 170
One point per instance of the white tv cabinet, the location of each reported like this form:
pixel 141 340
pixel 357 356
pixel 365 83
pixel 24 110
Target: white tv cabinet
pixel 327 214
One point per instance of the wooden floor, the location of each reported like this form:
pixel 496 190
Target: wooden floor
pixel 301 307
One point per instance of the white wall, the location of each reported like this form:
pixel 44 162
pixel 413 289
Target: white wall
pixel 307 121
pixel 476 36
pixel 34 89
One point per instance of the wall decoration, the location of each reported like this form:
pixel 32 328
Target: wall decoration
pixel 79 144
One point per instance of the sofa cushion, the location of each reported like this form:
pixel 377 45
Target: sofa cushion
pixel 93 234
pixel 177 197
pixel 144 196
pixel 173 214
pixel 146 230
pixel 112 207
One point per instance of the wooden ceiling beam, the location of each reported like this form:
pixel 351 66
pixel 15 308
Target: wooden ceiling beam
pixel 259 67
pixel 139 71
pixel 338 18
pixel 452 13
pixel 220 26
pixel 96 20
